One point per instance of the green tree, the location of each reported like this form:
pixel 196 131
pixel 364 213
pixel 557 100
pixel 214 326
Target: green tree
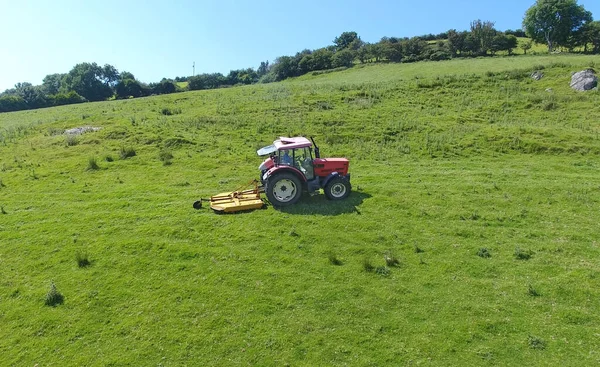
pixel 345 39
pixel 554 21
pixel 33 97
pixel 126 75
pixel 343 58
pixel 456 41
pixel 71 97
pixel 322 59
pixel 591 34
pixel 483 33
pixel 503 42
pixel 525 46
pixel 363 53
pixel 263 69
pixel 393 51
pixel 284 67
pixel 129 88
pixel 89 81
pixel 52 83
pixel 12 102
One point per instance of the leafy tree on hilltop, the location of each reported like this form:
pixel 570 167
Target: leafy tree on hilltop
pixel 129 88
pixel 344 40
pixel 52 83
pixel 591 34
pixel 126 75
pixel 554 21
pixel 483 33
pixel 90 81
pixel 343 58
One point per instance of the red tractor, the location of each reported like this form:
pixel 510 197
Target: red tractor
pixel 291 169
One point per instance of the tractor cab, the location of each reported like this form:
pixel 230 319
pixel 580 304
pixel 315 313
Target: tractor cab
pixel 291 168
pixel 291 152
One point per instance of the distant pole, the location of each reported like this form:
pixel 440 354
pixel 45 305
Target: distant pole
pixel 194 68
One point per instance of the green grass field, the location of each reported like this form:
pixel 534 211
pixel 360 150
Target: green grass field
pixel 481 182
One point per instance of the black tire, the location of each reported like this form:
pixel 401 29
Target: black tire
pixel 283 189
pixel 337 189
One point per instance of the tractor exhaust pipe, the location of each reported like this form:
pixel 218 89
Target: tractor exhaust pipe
pixel 317 153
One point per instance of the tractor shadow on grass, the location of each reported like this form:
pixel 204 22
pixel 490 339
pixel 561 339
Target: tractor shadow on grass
pixel 318 204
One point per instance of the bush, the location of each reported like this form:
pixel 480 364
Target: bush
pixel 71 140
pixel 383 271
pixel 536 343
pixel 368 265
pixel 9 103
pixel 532 291
pixel 483 252
pixel 82 259
pixel 391 259
pixel 53 297
pixel 67 98
pixel 522 254
pixel 334 259
pixel 129 88
pixel 165 156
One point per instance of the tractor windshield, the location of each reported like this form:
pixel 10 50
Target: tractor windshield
pixel 266 150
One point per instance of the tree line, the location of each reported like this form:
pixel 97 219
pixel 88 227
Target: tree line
pixel 557 23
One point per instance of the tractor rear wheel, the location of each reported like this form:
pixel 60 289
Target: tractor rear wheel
pixel 337 189
pixel 283 189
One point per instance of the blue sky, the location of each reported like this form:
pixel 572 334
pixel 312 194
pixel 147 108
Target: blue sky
pixel 156 39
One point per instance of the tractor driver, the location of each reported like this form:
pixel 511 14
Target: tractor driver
pixel 286 159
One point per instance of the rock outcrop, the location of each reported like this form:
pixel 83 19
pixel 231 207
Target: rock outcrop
pixel 584 80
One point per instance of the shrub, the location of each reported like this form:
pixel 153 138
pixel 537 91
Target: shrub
pixel 383 271
pixel 53 297
pixel 165 156
pixel 108 158
pixel 2 210
pixel 522 254
pixel 93 164
pixel 484 252
pixel 127 152
pixel 71 140
pixel 334 259
pixel 536 343
pixel 391 259
pixel 169 112
pixel 532 291
pixel 418 250
pixel 368 265
pixel 82 259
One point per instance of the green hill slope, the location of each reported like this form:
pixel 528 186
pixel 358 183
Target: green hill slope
pixel 480 180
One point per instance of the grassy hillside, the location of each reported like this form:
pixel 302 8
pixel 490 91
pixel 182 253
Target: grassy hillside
pixel 482 182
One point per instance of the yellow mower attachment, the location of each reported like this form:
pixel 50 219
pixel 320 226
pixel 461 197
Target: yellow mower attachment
pixel 239 200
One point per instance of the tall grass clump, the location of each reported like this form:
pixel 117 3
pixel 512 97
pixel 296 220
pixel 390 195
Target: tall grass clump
pixel 82 259
pixel 126 152
pixel 368 265
pixel 521 254
pixel 93 164
pixel 71 140
pixel 53 297
pixel 334 259
pixel 391 259
pixel 165 157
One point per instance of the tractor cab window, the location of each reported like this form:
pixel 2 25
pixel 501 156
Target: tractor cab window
pixel 286 157
pixel 303 161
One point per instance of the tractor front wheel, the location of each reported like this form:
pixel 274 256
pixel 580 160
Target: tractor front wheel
pixel 283 189
pixel 337 189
